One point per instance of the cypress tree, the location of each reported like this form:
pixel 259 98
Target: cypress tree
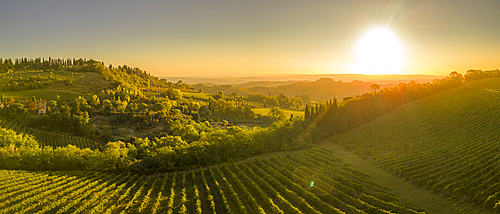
pixel 307 113
pixel 313 114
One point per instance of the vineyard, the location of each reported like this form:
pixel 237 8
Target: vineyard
pixel 310 181
pixel 48 138
pixel 448 143
pixel 203 96
pixel 43 94
pixel 18 73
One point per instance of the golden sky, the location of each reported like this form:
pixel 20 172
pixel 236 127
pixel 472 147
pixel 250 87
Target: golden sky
pixel 248 38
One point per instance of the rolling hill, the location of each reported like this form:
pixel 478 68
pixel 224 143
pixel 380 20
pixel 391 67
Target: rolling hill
pixel 321 89
pixel 447 143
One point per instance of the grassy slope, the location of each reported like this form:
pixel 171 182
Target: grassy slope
pixel 198 95
pixel 83 84
pixel 448 124
pixel 265 111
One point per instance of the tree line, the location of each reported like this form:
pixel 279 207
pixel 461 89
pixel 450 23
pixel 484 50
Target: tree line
pixel 190 145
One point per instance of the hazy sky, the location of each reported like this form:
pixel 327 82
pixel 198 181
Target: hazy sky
pixel 253 37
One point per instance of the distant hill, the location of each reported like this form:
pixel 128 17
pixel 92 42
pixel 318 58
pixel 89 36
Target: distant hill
pixel 235 81
pixel 321 89
pixel 268 84
pixel 227 89
pixel 447 142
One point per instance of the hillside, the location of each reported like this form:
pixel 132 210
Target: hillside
pixel 447 142
pixel 47 85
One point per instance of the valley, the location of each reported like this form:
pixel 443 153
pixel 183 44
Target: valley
pixel 136 143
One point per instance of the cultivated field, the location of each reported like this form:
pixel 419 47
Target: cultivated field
pixel 288 113
pixel 50 139
pixel 448 143
pixel 311 181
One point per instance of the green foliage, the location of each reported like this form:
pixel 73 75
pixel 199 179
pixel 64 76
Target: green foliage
pixel 64 158
pixel 14 111
pixel 68 82
pixel 9 138
pixel 277 114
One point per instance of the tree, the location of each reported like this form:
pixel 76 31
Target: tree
pixel 297 102
pixel 307 114
pixel 81 104
pixel 277 113
pixel 9 137
pixel 52 104
pixel 17 109
pixel 95 101
pixel 374 88
pixel 306 98
pixel 455 78
pixel 68 81
pixel 174 94
pixel 31 105
pixel 283 100
pixel 142 107
pixel 107 107
pixel 219 95
pixel 345 99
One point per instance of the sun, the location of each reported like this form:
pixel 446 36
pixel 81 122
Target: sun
pixel 379 52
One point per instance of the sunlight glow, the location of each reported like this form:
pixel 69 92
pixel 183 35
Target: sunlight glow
pixel 379 52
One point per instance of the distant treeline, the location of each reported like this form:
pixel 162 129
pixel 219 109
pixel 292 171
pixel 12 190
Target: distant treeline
pixel 128 77
pixel 337 116
pixel 50 64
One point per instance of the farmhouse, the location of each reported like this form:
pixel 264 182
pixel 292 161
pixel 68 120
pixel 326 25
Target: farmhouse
pixel 41 106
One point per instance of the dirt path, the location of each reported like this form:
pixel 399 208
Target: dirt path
pixel 431 202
